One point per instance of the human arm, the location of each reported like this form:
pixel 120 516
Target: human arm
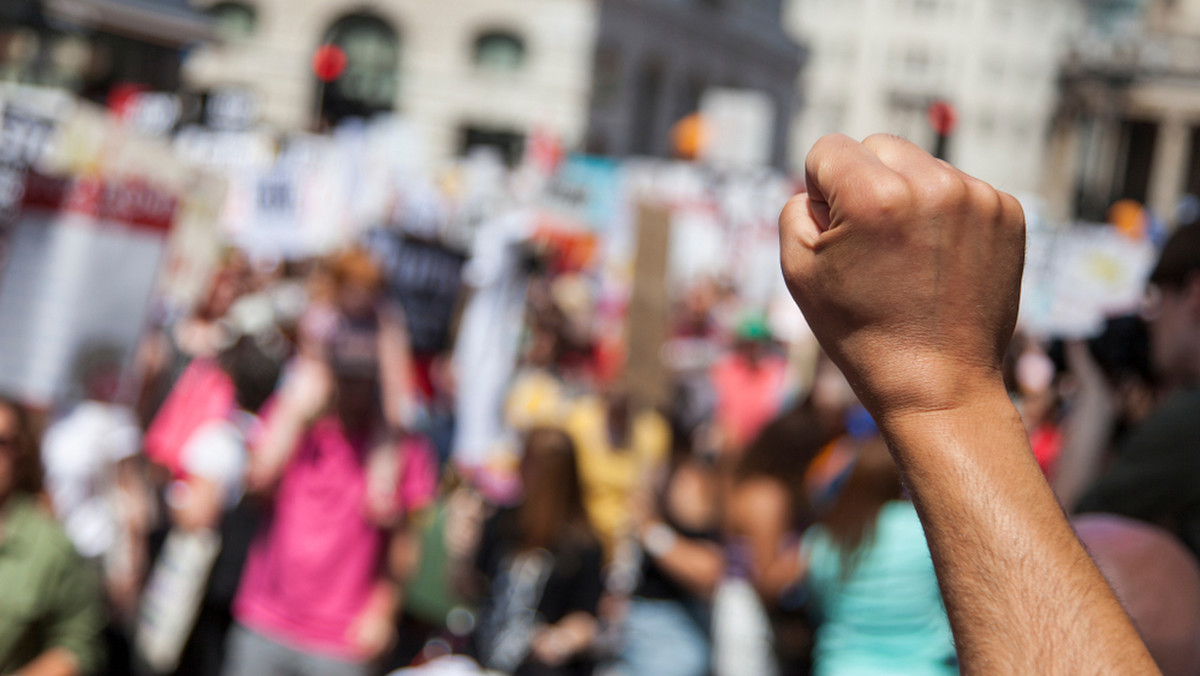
pixel 908 272
pixel 305 395
pixel 558 643
pixel 1088 428
pixel 53 662
pixel 396 369
pixel 695 564
pixel 555 644
pixel 759 515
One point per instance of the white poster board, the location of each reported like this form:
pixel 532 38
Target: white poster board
pixel 85 256
pixel 1077 276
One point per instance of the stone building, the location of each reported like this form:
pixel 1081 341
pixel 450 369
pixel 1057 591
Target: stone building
pixel 461 71
pixel 1128 126
pixel 611 76
pixel 655 59
pixel 91 46
pixel 877 65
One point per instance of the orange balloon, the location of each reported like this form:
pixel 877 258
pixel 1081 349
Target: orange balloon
pixel 1129 218
pixel 689 136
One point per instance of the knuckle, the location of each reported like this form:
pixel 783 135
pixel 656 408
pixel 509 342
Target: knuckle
pixel 891 192
pixel 795 208
pixel 985 200
pixel 945 190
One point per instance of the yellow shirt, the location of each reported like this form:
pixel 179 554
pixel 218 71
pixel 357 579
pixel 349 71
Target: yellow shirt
pixel 536 399
pixel 610 476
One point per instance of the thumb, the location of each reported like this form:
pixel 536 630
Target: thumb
pixel 801 223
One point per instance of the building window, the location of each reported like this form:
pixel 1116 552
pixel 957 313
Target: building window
pixel 234 20
pixel 1135 157
pixel 499 51
pixel 371 79
pixel 606 86
pixel 646 136
pixel 509 145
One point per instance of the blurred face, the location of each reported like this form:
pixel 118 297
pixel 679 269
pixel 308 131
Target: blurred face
pixel 1173 331
pixel 8 451
pixel 356 299
pixel 357 402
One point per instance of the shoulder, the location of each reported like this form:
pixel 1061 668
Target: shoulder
pixel 1173 429
pixel 41 533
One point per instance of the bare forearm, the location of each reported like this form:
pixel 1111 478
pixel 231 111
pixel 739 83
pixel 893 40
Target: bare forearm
pixel 53 662
pixel 280 439
pixel 695 565
pixel 1022 594
pixel 1086 438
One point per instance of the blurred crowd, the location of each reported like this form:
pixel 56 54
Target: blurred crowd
pixel 283 494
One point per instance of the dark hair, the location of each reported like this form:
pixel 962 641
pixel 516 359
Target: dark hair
pixel 783 450
pixel 253 369
pixel 553 508
pixel 851 519
pixel 1180 258
pixel 28 463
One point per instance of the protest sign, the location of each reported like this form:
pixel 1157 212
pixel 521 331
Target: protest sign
pixel 85 258
pixel 425 278
pixel 1078 276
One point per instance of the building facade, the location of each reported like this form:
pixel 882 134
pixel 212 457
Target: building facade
pixel 877 65
pixel 92 46
pixel 462 72
pixel 655 59
pixel 1128 127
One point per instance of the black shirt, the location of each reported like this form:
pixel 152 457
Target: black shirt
pixel 1156 474
pixel 528 589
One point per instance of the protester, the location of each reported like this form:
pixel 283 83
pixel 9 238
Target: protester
pixel 666 628
pixel 766 510
pixel 96 482
pixel 872 581
pixel 51 615
pixel 539 567
pixel 1155 476
pixel 202 504
pixel 321 585
pixel 749 385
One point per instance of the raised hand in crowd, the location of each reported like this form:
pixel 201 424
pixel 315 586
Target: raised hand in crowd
pixel 909 271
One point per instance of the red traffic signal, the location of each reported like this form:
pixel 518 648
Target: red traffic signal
pixel 328 63
pixel 942 117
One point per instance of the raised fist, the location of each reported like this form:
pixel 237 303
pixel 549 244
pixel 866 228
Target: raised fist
pixel 907 269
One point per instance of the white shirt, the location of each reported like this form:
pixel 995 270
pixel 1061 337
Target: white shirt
pixel 80 453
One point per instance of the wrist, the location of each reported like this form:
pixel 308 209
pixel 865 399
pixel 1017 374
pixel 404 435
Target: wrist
pixel 963 398
pixel 658 539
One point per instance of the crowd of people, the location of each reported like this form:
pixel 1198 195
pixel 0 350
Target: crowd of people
pixel 281 495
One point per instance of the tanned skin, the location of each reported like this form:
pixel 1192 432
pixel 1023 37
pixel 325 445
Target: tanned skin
pixel 909 272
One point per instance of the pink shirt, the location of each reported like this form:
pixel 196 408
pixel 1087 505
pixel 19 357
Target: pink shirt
pixel 747 397
pixel 312 567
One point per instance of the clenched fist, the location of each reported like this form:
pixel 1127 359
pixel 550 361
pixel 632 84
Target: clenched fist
pixel 907 269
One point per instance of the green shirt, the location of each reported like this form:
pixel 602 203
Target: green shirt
pixel 49 597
